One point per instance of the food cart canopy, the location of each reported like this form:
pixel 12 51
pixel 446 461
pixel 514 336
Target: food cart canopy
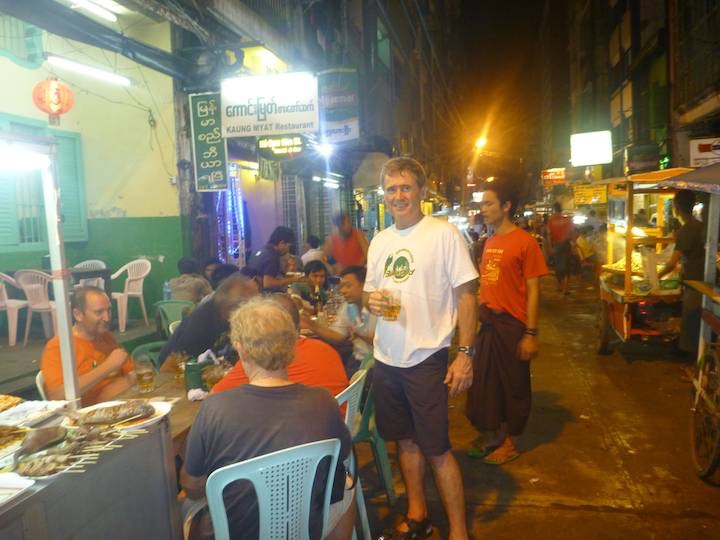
pixel 705 179
pixel 658 176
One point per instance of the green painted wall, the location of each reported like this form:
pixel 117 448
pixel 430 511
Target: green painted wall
pixel 117 241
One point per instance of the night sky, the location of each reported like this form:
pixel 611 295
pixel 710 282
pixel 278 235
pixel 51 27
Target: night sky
pixel 496 40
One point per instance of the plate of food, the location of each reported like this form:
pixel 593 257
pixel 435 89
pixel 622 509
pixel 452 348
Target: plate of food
pixel 131 414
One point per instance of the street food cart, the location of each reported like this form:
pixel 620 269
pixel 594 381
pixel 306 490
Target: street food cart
pixel 633 304
pixel 705 420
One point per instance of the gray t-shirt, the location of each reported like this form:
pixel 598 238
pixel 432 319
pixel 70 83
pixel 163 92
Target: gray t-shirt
pixel 249 421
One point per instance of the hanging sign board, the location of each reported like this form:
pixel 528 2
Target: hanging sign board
pixel 589 194
pixel 553 177
pixel 279 148
pixel 207 143
pixel 704 152
pixel 270 105
pixel 339 105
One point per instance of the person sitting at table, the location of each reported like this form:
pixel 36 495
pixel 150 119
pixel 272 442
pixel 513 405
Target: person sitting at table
pixel 267 261
pixel 209 266
pixel 270 413
pixel 104 368
pixel 314 290
pixel 316 363
pixel 190 285
pixel 207 325
pixel 354 322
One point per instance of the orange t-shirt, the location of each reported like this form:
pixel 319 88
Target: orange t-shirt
pixel 88 355
pixel 508 261
pixel 560 228
pixel 316 364
pixel 347 251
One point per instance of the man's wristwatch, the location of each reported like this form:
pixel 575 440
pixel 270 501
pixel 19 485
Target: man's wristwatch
pixel 470 351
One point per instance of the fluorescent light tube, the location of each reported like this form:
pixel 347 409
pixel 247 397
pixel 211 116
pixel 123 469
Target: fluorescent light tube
pixel 84 69
pixel 95 10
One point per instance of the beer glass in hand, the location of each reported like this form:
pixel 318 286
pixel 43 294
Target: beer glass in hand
pixel 391 309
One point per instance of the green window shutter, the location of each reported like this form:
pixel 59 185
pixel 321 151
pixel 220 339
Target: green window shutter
pixel 9 229
pixel 68 167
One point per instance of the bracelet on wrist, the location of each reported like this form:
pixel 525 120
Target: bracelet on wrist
pixel 531 331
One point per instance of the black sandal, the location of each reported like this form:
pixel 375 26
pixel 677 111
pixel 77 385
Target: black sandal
pixel 416 530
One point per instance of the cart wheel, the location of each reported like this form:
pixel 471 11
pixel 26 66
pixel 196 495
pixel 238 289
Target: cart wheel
pixel 705 420
pixel 604 329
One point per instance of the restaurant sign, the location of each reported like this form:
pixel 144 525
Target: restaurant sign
pixel 339 105
pixel 207 143
pixel 278 148
pixel 584 194
pixel 270 105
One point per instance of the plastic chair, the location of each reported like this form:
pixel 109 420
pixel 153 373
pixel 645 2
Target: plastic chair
pixel 11 306
pixel 34 284
pixel 151 350
pixel 367 432
pixel 283 482
pixel 92 264
pixel 40 384
pixel 137 271
pixel 172 327
pixel 171 311
pixel 350 397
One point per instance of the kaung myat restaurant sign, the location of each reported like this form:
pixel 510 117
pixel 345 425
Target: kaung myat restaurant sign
pixel 270 105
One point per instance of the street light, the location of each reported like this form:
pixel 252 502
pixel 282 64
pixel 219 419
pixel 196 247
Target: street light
pixel 480 143
pixel 21 153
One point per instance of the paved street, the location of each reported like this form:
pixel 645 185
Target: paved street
pixel 606 452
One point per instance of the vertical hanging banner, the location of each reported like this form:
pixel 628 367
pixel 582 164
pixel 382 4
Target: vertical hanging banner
pixel 339 105
pixel 208 144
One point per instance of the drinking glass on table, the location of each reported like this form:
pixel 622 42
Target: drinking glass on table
pixel 177 361
pixel 392 306
pixel 145 374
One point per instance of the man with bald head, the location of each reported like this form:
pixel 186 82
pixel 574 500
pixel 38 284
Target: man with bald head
pixel 207 324
pixel 104 368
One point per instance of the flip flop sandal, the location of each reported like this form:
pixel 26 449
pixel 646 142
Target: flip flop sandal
pixel 479 453
pixel 416 530
pixel 506 459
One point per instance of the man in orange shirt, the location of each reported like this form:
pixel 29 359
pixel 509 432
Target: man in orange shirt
pixel 347 246
pixel 316 363
pixel 560 234
pixel 104 368
pixel 512 263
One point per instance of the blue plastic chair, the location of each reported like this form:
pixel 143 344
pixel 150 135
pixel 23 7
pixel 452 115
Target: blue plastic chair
pixel 283 482
pixel 350 397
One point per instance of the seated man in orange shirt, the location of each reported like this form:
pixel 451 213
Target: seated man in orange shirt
pixel 316 363
pixel 104 368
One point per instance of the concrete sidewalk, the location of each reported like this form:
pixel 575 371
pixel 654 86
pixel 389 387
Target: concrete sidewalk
pixel 605 455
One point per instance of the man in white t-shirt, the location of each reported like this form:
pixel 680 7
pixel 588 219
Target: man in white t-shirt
pixel 427 261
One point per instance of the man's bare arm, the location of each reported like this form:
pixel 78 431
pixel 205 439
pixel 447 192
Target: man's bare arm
pixel 194 486
pixel 89 380
pixel 460 373
pixel 528 346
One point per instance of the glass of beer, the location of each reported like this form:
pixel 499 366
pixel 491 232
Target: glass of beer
pixel 145 375
pixel 177 360
pixel 391 309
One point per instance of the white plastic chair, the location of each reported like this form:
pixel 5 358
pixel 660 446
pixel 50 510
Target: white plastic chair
pixel 350 397
pixel 34 284
pixel 283 483
pixel 40 384
pixel 92 264
pixel 11 306
pixel 173 326
pixel 137 270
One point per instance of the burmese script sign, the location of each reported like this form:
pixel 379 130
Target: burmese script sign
pixel 270 105
pixel 585 194
pixel 207 143
pixel 339 105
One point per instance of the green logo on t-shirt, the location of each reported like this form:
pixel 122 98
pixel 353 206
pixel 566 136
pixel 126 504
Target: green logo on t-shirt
pixel 399 266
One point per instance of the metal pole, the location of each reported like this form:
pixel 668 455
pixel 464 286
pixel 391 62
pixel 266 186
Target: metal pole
pixel 711 242
pixel 51 198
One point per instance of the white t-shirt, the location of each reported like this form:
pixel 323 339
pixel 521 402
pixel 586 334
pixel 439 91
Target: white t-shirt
pixel 425 263
pixel 363 322
pixel 312 254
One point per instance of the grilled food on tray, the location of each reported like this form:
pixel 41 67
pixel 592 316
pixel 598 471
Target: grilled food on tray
pixel 44 465
pixel 7 402
pixel 10 435
pixel 113 414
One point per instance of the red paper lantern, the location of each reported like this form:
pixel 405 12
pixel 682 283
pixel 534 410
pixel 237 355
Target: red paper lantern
pixel 53 97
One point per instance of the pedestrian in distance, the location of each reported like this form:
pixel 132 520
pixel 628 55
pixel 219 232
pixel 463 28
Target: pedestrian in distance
pixel 512 263
pixel 424 262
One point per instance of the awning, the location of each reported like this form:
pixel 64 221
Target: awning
pixel 705 179
pixel 658 176
pixel 367 174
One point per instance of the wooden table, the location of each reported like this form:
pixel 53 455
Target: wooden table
pixel 183 411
